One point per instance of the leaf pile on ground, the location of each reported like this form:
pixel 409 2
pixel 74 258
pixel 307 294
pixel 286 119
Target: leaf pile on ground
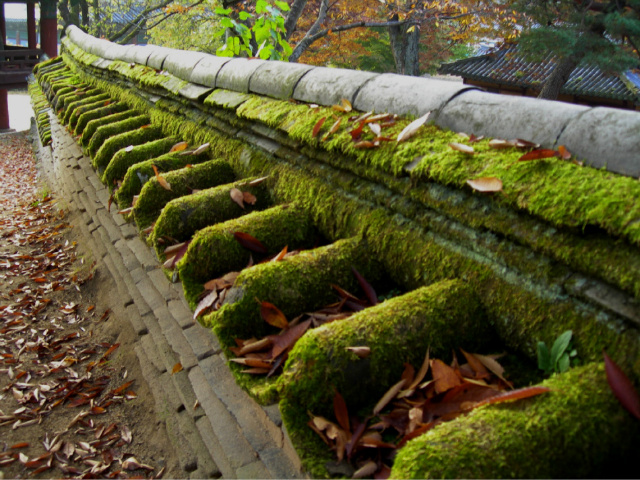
pixel 413 406
pixel 58 391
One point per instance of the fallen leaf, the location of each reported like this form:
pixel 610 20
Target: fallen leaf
pixel 564 153
pixel 201 149
pixel 178 147
pixel 362 352
pixel 622 387
pixel 387 397
pixel 206 303
pixel 317 127
pixel 341 412
pixel 280 255
pixel 513 395
pixel 161 180
pixel 237 196
pixel 272 315
pixel 539 154
pixel 126 434
pixel 19 445
pixel 129 148
pixel 176 368
pixel 333 129
pixel 486 184
pixel 366 144
pixel 249 242
pixel 366 287
pixel 500 144
pixel 445 377
pixel 249 198
pixel 366 471
pixel 411 129
pixel 375 129
pixel 287 339
pixel 461 147
pixel 344 106
pixel 132 464
pixel 493 366
pixel 257 181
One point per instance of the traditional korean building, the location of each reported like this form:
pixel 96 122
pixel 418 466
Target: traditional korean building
pixel 17 61
pixel 504 70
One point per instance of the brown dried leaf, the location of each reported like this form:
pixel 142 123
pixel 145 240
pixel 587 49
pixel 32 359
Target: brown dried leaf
pixel 375 128
pixel 539 154
pixel 272 315
pixel 288 338
pixel 132 464
pixel 366 471
pixel 362 352
pixel 176 368
pixel 366 144
pixel 493 366
pixel 341 412
pixel 387 397
pixel 500 144
pixel 366 287
pixel 317 127
pixel 249 198
pixel 513 395
pixel 411 129
pixel 332 130
pixel 564 153
pixel 249 242
pixel 344 106
pixel 461 147
pixel 486 184
pixel 280 255
pixel 178 147
pixel 237 197
pixel 444 376
pixel 201 149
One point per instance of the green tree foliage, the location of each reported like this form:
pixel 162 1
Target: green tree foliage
pixel 606 34
pixel 260 33
pixel 188 26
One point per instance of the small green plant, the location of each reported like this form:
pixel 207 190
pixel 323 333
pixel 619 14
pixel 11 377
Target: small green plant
pixel 560 357
pixel 266 35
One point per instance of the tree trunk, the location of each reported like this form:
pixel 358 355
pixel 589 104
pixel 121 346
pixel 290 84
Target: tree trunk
pixel 405 48
pixel 559 77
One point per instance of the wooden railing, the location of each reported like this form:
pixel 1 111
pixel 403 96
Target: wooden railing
pixel 16 64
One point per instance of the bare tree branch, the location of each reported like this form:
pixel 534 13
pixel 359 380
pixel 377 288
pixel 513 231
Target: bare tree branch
pixel 137 22
pixel 295 11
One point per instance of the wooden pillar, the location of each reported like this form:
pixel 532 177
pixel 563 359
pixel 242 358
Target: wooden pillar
pixel 31 26
pixel 49 28
pixel 3 26
pixel 4 110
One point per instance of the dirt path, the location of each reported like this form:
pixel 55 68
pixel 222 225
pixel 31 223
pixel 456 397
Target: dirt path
pixel 73 401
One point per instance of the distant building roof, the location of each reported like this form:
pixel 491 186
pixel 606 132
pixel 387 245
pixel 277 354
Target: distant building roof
pixel 505 66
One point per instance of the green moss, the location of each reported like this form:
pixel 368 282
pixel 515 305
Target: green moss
pixel 64 101
pixel 154 196
pixel 439 317
pixel 204 259
pixel 295 285
pixel 110 129
pixel 121 141
pixel 138 174
pixel 93 124
pixel 184 216
pixel 126 158
pixel 100 112
pixel 577 430
pixel 97 104
pixel 71 107
pixel 48 65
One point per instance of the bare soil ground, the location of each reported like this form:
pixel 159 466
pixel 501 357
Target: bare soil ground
pixel 73 401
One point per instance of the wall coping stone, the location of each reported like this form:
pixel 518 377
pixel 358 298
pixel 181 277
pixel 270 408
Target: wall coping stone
pixel 277 79
pixel 206 70
pixel 392 93
pixel 602 137
pixel 236 74
pixel 327 86
pixel 508 117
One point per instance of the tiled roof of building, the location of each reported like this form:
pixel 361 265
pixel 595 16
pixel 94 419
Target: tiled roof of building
pixel 505 66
